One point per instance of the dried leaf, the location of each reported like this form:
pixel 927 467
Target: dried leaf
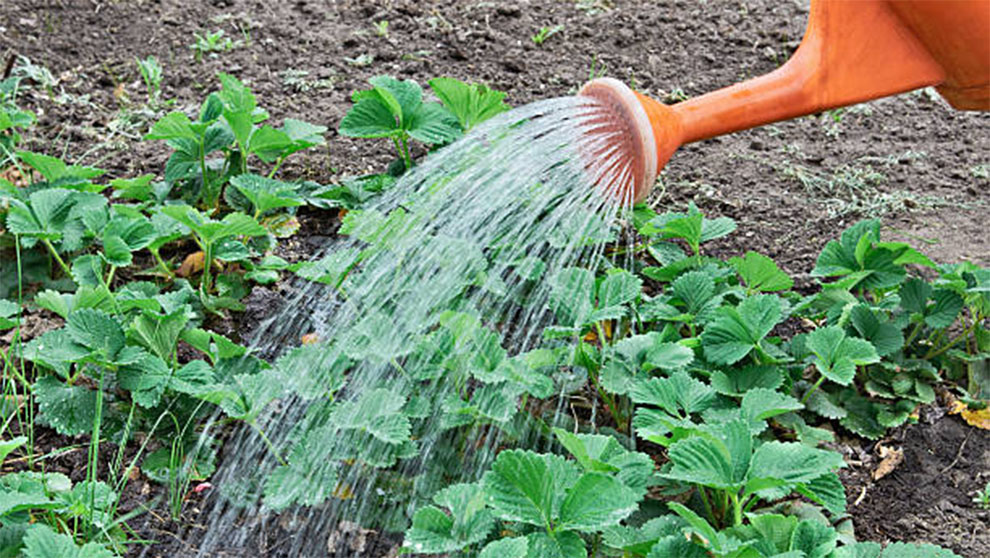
pixel 890 458
pixel 978 418
pixel 309 339
pixel 192 264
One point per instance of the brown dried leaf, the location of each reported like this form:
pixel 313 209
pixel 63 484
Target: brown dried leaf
pixel 890 458
pixel 978 418
pixel 192 264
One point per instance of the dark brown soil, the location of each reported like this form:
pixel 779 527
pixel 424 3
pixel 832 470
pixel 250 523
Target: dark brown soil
pixel 929 496
pixel 930 162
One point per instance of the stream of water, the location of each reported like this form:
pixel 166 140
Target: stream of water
pixel 468 240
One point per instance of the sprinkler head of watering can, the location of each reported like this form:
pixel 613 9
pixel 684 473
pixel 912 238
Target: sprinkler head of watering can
pixel 631 137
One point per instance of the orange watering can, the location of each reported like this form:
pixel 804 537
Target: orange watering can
pixel 852 51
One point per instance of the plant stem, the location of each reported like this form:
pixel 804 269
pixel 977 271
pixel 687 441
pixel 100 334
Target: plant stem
pixel 161 263
pixel 58 258
pixel 964 335
pixel 736 509
pixel 278 165
pixel 268 443
pixel 812 390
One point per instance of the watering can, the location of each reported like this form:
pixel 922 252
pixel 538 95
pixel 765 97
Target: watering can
pixel 852 51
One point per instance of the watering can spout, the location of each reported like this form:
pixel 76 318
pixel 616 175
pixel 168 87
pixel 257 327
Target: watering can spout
pixel 851 52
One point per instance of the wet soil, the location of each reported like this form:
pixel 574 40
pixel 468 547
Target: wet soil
pixel 791 187
pixel 929 496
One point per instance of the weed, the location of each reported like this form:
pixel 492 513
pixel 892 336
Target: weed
pixel 212 43
pixel 982 498
pixel 151 75
pixel 545 33
pixel 593 7
pixel 360 60
pixel 381 28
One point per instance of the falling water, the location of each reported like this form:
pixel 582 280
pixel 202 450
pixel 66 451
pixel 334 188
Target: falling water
pixel 474 233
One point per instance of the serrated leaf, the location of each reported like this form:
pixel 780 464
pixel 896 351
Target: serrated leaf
pixel 737 381
pixel 737 331
pixel 759 404
pixel 97 331
pixel 761 273
pixel 67 409
pixel 836 356
pixel 145 378
pixel 791 463
pixel 945 309
pixel 596 501
pixel 174 125
pixel 41 542
pixel 527 487
pixel 265 193
pixel 434 124
pixel 470 103
pixel 517 547
pixel 885 337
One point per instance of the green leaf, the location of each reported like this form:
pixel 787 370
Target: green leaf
pixel 914 295
pixel 210 230
pixel 54 169
pixel 943 313
pixel 759 404
pixel 885 337
pixel 761 273
pixel 267 194
pixel 572 295
pixel 470 104
pixel 676 545
pixel 41 542
pixel 145 378
pixel 377 412
pixel 67 409
pixel 433 531
pixel 596 501
pixel 564 544
pixel 160 333
pixel 737 381
pixel 44 216
pixel 11 445
pixel 619 288
pixel 828 491
pixel 737 331
pixel 308 479
pixel 432 123
pixel 369 118
pixel 97 331
pixel 174 125
pixel 791 463
pixel 528 487
pixel 669 356
pixel 863 260
pixel 517 547
pixel 836 356
pixel 703 460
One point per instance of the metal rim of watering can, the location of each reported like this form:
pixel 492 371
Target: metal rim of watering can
pixel 627 115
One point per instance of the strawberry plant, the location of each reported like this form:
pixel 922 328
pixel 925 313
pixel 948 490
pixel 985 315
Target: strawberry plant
pixel 229 123
pixel 395 109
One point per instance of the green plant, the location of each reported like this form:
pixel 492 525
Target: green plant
pixel 229 123
pixel 982 498
pixel 212 43
pixel 13 121
pixel 545 33
pixel 381 28
pixel 395 109
pixel 151 75
pixel 472 104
